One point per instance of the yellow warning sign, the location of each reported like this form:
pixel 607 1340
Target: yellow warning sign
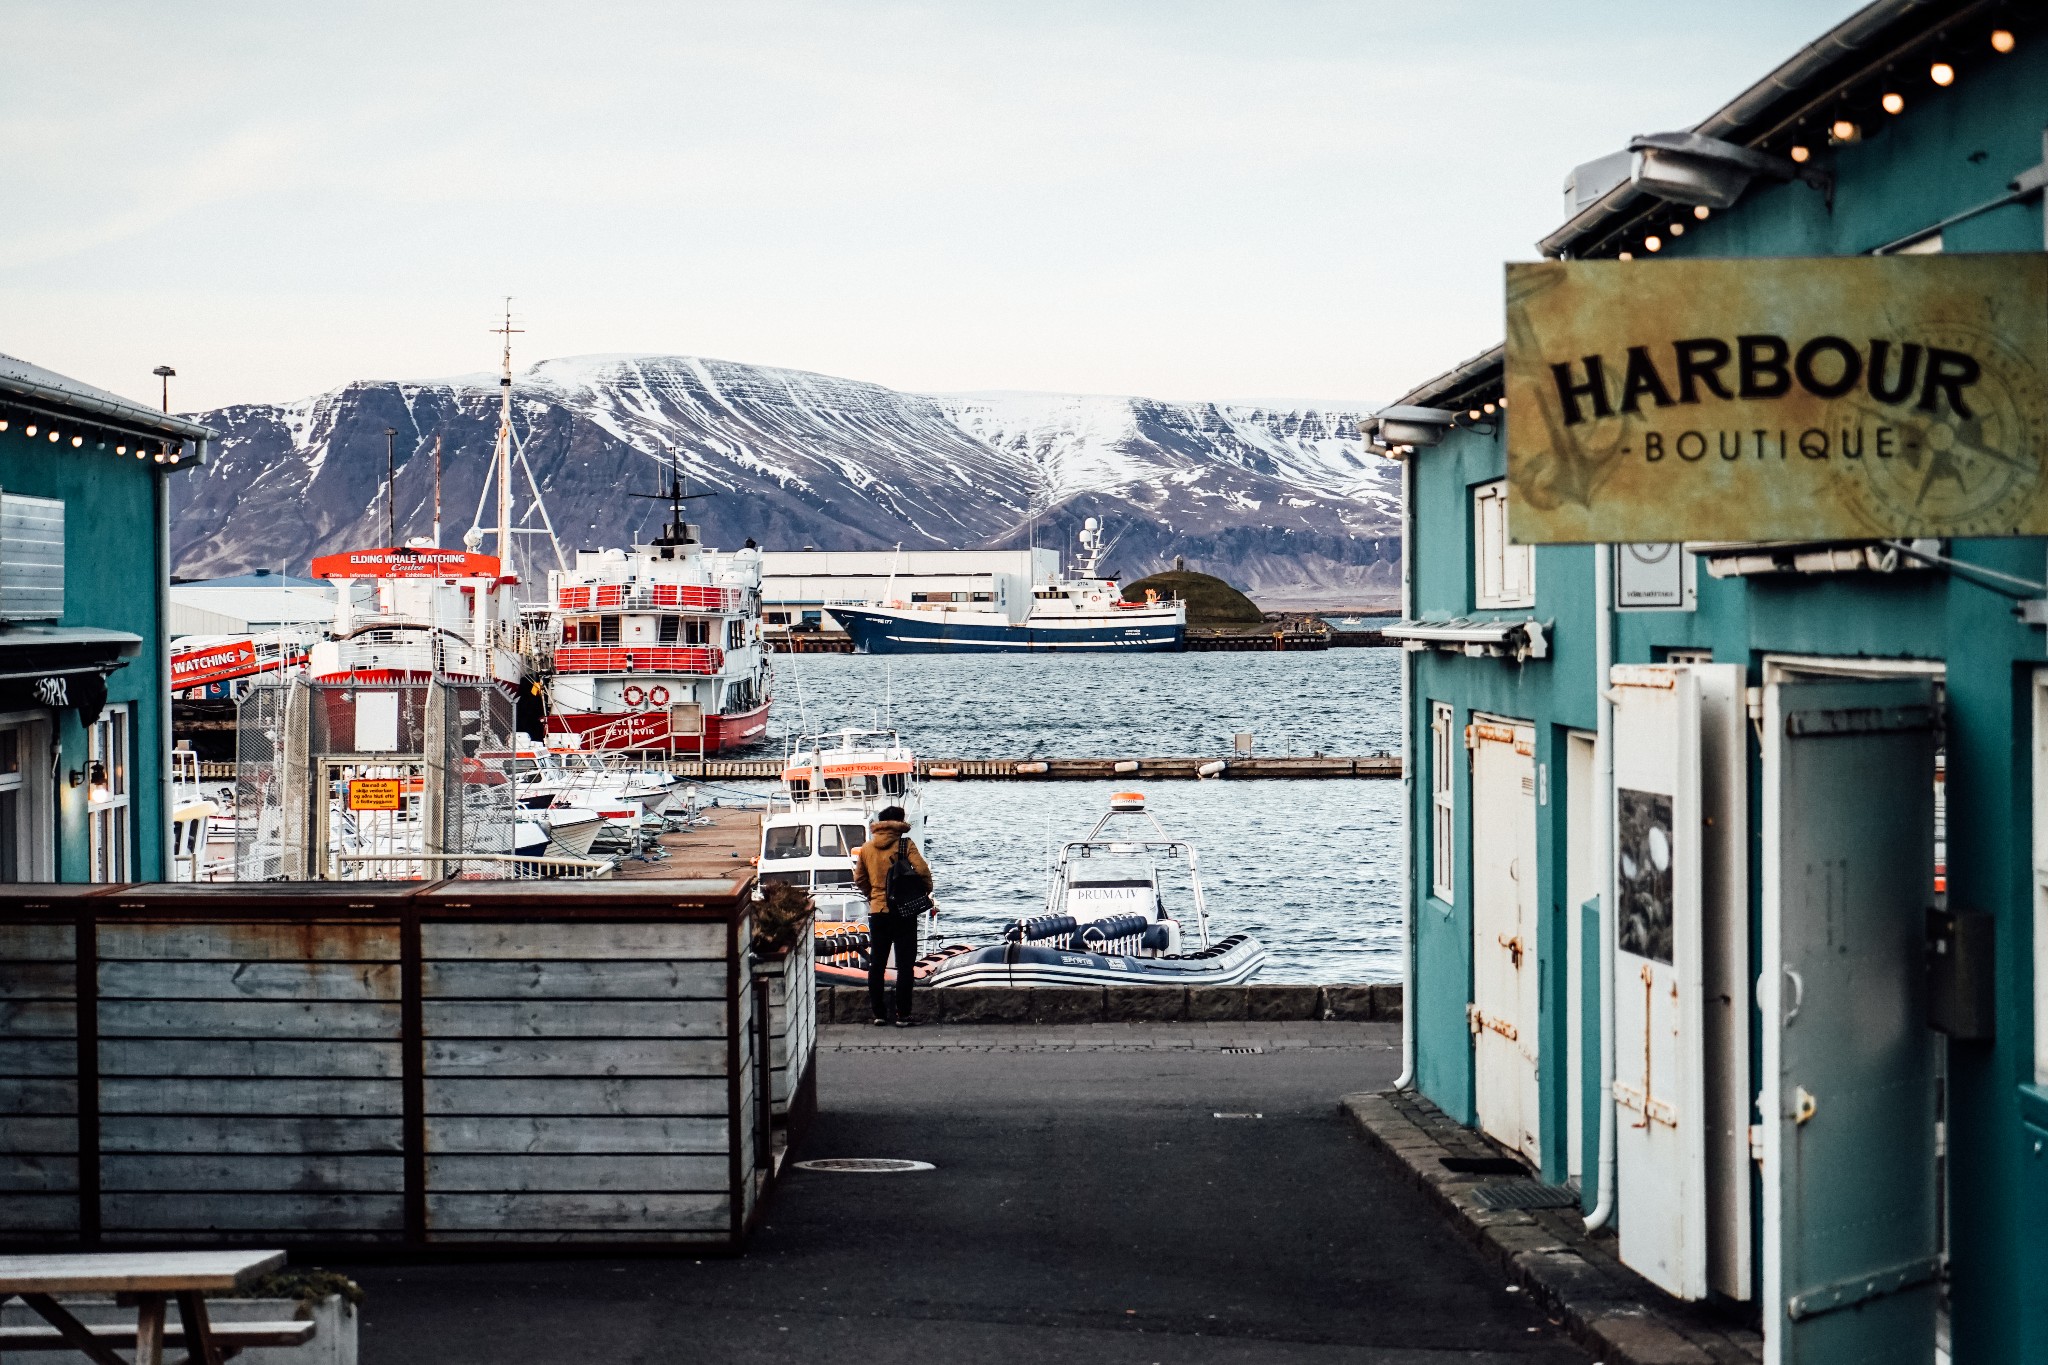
pixel 375 793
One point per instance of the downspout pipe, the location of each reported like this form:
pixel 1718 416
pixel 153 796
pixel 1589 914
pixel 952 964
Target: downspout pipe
pixel 1603 854
pixel 1406 1079
pixel 165 870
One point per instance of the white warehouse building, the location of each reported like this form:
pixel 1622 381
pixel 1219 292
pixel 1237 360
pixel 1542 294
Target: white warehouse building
pixel 799 587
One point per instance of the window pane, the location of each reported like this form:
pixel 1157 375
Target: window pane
pixel 835 876
pixel 855 836
pixel 797 878
pixel 788 841
pixel 829 845
pixel 10 835
pixel 10 751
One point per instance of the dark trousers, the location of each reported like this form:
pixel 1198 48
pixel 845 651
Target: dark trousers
pixel 891 930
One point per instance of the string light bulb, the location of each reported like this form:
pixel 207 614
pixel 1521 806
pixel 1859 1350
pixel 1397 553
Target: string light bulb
pixel 1800 154
pixel 1941 73
pixel 29 430
pixel 1843 130
pixel 1701 212
pixel 1893 102
pixel 77 441
pixel 120 450
pixel 1653 243
pixel 1489 409
pixel 54 436
pixel 3 424
pixel 1678 229
pixel 2001 40
pixel 1625 256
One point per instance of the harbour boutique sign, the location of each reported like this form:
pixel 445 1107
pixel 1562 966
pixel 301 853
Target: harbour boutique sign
pixel 1736 400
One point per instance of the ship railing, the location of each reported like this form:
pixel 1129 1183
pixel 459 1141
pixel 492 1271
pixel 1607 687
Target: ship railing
pixel 670 659
pixel 702 597
pixel 356 867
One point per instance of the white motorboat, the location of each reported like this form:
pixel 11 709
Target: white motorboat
pixel 571 830
pixel 1106 919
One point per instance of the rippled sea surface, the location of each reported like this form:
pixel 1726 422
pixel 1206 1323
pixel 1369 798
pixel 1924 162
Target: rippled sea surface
pixel 1311 868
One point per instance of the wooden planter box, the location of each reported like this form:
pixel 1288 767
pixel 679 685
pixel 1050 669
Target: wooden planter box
pixel 431 1065
pixel 791 1000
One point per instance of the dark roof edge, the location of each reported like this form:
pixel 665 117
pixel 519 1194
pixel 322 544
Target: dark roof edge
pixel 1483 367
pixel 114 410
pixel 1810 66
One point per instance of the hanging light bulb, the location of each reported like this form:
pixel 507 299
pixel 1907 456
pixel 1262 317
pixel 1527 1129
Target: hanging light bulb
pixel 3 424
pixel 1653 243
pixel 1701 212
pixel 2001 40
pixel 120 450
pixel 29 430
pixel 1489 409
pixel 1893 102
pixel 1941 73
pixel 1843 130
pixel 54 437
pixel 1624 255
pixel 1800 154
pixel 77 441
pixel 1678 229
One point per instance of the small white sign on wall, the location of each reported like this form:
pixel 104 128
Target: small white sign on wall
pixel 1657 576
pixel 376 722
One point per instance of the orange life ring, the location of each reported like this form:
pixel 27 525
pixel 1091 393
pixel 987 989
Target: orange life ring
pixel 657 695
pixel 633 694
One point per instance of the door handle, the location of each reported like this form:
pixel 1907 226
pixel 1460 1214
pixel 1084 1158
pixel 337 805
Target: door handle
pixel 1798 994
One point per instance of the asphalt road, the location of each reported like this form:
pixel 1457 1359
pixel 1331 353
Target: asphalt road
pixel 1088 1205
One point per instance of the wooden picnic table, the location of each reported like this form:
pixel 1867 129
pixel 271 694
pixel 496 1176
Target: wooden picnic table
pixel 145 1279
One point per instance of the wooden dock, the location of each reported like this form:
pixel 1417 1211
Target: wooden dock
pixel 724 848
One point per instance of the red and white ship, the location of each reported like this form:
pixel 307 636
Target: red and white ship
pixel 657 649
pixel 435 612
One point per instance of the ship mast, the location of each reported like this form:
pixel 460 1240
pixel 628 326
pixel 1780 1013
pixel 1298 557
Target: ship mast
pixel 503 456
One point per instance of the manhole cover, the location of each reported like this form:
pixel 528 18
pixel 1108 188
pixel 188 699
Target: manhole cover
pixel 864 1165
pixel 1526 1194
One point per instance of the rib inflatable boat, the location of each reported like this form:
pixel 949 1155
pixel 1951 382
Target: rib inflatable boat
pixel 1106 920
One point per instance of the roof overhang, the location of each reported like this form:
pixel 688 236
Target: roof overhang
pixel 1516 638
pixel 54 651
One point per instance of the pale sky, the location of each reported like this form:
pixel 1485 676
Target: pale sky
pixel 1265 199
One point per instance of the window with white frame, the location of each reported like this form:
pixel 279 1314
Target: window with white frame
pixel 1443 755
pixel 1504 574
pixel 106 796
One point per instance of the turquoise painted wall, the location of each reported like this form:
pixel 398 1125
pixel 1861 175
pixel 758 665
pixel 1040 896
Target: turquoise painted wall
pixel 111 567
pixel 1949 150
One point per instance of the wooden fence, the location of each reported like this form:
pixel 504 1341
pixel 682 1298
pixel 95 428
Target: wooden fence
pixel 430 1065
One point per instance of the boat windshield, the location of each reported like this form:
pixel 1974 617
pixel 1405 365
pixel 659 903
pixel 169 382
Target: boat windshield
pixel 840 840
pixel 787 841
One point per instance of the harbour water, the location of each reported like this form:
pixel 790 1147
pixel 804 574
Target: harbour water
pixel 1312 868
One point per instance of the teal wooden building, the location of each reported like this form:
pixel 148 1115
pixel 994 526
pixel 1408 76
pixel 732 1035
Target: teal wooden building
pixel 84 584
pixel 1728 893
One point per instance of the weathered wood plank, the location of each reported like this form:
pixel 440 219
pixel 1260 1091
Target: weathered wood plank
pixel 575 1057
pixel 268 941
pixel 20 940
pixel 250 1133
pixel 50 1215
pixel 624 980
pixel 584 1134
pixel 623 1216
pixel 38 1018
pixel 237 1058
pixel 662 939
pixel 665 1174
pixel 38 1057
pixel 186 1173
pixel 323 1019
pixel 38 1133
pixel 314 980
pixel 38 980
pixel 324 1097
pixel 38 1097
pixel 583 1095
pixel 574 1018
pixel 670 1236
pixel 36 1173
pixel 305 1214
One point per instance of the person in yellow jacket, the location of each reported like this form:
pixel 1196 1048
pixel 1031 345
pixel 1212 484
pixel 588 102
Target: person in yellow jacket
pixel 893 875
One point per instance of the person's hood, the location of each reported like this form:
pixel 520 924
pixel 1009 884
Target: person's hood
pixel 885 833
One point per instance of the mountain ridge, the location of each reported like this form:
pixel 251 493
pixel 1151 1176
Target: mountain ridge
pixel 1285 503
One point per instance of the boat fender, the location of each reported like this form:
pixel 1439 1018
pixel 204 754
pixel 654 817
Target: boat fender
pixel 1042 926
pixel 1157 939
pixel 1093 935
pixel 1213 768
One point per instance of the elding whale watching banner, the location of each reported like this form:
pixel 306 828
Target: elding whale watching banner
pixel 1838 398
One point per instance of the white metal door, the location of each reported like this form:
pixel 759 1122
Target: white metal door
pixel 1505 980
pixel 1851 1245
pixel 1680 1048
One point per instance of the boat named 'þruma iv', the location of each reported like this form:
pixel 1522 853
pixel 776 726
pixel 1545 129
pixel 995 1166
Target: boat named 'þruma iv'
pixel 1079 614
pixel 1106 920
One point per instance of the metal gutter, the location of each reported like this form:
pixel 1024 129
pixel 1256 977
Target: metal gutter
pixel 1458 378
pixel 19 379
pixel 1809 67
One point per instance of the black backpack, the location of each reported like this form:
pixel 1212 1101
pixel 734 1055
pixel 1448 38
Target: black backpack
pixel 905 888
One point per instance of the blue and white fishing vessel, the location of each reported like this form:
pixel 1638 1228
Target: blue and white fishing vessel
pixel 1082 613
pixel 1106 920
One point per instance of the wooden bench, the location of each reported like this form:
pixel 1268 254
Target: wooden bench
pixel 229 1338
pixel 145 1280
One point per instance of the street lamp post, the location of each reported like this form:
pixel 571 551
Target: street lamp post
pixel 165 373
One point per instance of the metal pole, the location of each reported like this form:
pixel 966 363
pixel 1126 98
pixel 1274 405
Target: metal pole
pixel 165 373
pixel 1407 1076
pixel 1603 854
pixel 437 492
pixel 390 491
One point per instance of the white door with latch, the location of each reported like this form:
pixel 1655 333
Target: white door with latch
pixel 1851 1251
pixel 1506 985
pixel 1681 947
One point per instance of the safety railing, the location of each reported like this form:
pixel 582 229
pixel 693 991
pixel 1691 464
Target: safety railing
pixel 673 659
pixel 632 596
pixel 384 867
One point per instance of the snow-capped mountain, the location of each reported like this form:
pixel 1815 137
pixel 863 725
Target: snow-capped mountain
pixel 1284 503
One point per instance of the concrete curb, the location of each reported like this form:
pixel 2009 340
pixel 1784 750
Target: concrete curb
pixel 1128 1004
pixel 1612 1311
